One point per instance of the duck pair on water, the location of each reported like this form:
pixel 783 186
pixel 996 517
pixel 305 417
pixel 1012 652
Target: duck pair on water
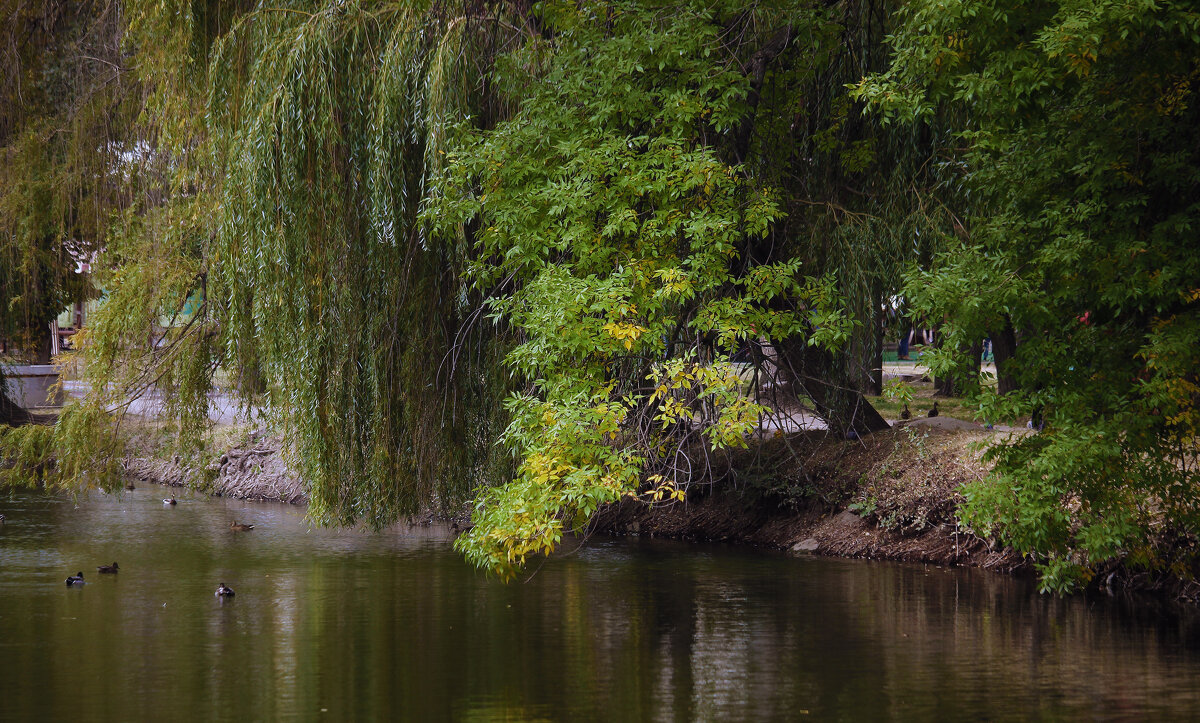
pixel 77 578
pixel 129 486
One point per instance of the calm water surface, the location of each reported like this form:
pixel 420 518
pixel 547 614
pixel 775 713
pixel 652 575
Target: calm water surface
pixel 349 625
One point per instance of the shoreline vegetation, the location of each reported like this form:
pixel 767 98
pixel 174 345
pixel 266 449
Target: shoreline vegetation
pixel 550 257
pixel 893 496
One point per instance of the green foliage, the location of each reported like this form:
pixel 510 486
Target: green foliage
pixel 36 269
pixel 899 390
pixel 337 188
pixel 274 168
pixel 1082 154
pixel 381 219
pixel 59 126
pixel 865 508
pixel 612 237
pixel 82 450
pixel 616 235
pixel 26 453
pixel 329 124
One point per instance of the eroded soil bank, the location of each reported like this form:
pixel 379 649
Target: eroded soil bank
pixel 890 496
pixel 253 470
pixel 901 488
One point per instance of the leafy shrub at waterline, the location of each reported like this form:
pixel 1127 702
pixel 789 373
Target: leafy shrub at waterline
pixel 1083 154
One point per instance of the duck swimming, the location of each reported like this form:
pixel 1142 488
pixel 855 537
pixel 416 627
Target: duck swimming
pixel 169 501
pixel 223 591
pixel 239 527
pixel 76 579
pixel 108 568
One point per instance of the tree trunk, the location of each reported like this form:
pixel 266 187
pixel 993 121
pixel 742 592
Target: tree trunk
pixel 876 371
pixel 822 376
pixel 1004 346
pixel 42 345
pixel 942 386
pixel 11 413
pixel 953 384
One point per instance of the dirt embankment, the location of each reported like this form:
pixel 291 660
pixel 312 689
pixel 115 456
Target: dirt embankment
pixel 890 496
pixel 255 471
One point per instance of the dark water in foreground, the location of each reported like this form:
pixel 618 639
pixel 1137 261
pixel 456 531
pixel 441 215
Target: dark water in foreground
pixel 344 626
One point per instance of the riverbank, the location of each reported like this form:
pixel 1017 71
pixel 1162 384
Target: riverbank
pixel 252 467
pixel 892 496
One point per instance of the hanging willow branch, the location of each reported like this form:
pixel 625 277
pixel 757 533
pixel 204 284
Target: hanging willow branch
pixel 330 287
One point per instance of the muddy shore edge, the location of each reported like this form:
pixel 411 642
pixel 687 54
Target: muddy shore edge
pixel 909 476
pixel 892 496
pixel 256 471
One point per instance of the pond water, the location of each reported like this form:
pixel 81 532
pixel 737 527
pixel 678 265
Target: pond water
pixel 350 625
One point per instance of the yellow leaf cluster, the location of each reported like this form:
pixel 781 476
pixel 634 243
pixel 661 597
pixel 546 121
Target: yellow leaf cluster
pixel 627 333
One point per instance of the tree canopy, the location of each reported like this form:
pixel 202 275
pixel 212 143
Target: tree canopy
pixel 1082 149
pixel 60 98
pixel 502 252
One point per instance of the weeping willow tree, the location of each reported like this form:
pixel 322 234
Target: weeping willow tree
pixel 281 157
pixel 279 240
pixel 87 179
pixel 330 126
pixel 863 201
pixel 379 219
